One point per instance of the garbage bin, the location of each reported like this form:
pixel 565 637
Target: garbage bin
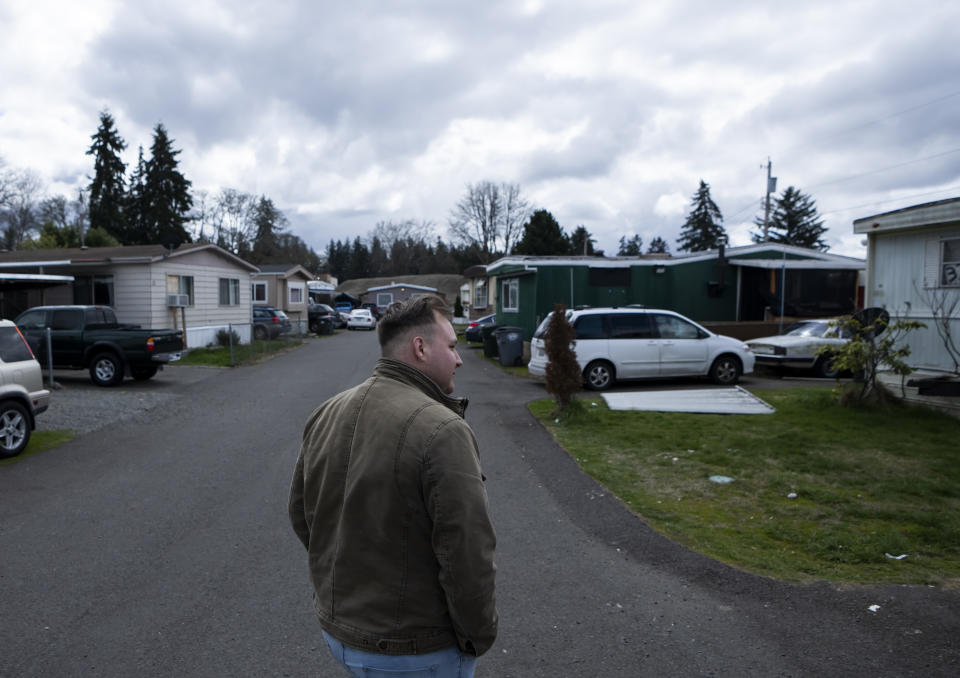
pixel 510 345
pixel 489 340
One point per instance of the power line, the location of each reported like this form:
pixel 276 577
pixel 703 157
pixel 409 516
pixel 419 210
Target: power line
pixel 884 169
pixel 883 202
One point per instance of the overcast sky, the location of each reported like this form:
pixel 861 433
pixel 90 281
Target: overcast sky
pixel 607 113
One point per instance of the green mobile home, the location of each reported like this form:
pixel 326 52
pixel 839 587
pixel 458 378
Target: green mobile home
pixel 737 284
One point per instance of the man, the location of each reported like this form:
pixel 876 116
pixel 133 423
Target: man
pixel 388 499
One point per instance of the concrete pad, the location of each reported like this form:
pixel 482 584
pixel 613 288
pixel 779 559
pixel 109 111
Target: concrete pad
pixel 735 400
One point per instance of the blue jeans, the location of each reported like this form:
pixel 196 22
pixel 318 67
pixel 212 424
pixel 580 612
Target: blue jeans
pixel 449 663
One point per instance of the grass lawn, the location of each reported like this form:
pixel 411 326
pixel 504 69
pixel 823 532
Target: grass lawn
pixel 819 491
pixel 242 353
pixel 40 441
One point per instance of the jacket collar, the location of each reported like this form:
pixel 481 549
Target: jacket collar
pixel 411 376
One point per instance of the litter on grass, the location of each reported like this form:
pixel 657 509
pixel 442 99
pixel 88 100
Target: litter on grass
pixel 723 480
pixel 900 557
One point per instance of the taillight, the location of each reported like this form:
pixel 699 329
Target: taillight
pixel 150 344
pixel 276 319
pixel 472 325
pixel 26 343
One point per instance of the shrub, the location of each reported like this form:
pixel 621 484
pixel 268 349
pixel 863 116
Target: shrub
pixel 225 337
pixel 563 377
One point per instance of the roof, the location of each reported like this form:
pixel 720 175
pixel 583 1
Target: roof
pixel 393 285
pixel 125 254
pixel 285 270
pixel 827 260
pixel 925 215
pixel 447 284
pixel 799 264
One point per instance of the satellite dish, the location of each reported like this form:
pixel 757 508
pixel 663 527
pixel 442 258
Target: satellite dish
pixel 171 241
pixel 872 321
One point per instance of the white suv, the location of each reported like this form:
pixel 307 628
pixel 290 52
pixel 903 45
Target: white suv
pixel 633 343
pixel 22 396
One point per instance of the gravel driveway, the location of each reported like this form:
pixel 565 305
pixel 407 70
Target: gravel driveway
pixel 77 405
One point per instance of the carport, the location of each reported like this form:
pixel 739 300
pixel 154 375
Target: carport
pixel 14 288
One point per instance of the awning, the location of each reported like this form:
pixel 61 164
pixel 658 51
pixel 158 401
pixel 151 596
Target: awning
pixel 799 264
pixel 31 281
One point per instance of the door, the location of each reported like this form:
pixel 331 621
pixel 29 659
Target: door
pixel 634 346
pixel 683 346
pixel 66 333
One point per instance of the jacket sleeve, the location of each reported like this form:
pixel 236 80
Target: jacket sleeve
pixel 463 536
pixel 295 507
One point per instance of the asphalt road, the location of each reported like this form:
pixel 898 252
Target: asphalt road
pixel 159 546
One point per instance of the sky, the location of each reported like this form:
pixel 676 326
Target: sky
pixel 607 113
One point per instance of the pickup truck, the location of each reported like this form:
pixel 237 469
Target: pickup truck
pixel 90 338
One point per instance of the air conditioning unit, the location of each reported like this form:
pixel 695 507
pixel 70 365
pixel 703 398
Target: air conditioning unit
pixel 178 300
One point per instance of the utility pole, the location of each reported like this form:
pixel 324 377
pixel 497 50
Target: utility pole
pixel 771 188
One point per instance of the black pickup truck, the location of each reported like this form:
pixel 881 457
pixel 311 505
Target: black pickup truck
pixel 90 338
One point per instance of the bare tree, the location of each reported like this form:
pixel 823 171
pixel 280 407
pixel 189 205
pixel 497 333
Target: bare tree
pixel 389 232
pixel 22 190
pixel 231 218
pixel 490 216
pixel 944 305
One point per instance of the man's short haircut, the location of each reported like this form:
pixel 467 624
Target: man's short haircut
pixel 403 316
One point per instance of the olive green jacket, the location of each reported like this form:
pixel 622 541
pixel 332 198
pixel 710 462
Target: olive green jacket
pixel 388 499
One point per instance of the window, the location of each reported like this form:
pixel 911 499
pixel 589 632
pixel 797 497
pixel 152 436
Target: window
pixel 13 348
pixel 93 289
pixel 229 291
pixel 609 277
pixel 630 326
pixel 100 316
pixel 671 327
pixel 66 319
pixel 33 320
pixel 950 263
pixel 480 294
pixel 590 327
pixel 181 284
pixel 510 294
pixel 258 291
pixel 384 299
pixel 295 293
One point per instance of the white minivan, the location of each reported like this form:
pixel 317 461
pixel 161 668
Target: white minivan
pixel 638 343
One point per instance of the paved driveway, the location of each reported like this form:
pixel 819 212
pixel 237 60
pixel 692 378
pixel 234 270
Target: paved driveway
pixel 160 546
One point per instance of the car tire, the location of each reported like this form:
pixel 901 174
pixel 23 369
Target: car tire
pixel 143 372
pixel 259 332
pixel 106 369
pixel 824 368
pixel 726 370
pixel 14 428
pixel 599 375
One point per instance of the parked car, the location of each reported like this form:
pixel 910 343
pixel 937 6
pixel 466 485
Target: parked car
pixel 91 338
pixel 269 323
pixel 322 319
pixel 361 319
pixel 615 344
pixel 474 328
pixel 373 308
pixel 22 396
pixel 798 346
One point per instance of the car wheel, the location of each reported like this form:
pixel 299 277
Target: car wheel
pixel 825 368
pixel 106 369
pixel 599 375
pixel 725 370
pixel 143 372
pixel 14 428
pixel 259 332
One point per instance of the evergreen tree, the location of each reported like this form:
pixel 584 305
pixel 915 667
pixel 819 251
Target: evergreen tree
pixel 658 246
pixel 268 223
pixel 703 229
pixel 794 221
pixel 563 377
pixel 542 236
pixel 338 259
pixel 378 257
pixel 166 194
pixel 581 242
pixel 359 260
pixel 135 204
pixel 107 192
pixel 630 248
